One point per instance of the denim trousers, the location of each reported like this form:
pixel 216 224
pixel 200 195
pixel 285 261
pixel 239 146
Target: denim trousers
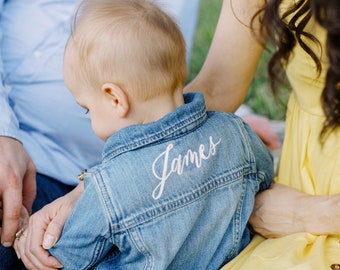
pixel 48 190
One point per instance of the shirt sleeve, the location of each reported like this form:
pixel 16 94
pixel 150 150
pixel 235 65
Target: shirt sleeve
pixel 85 239
pixel 8 122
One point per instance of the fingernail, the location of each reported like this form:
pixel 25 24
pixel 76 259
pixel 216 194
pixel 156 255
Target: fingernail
pixel 18 255
pixel 49 241
pixel 7 244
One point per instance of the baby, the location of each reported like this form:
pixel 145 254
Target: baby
pixel 176 185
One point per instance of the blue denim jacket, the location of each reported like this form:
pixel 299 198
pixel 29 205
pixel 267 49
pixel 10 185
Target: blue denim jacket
pixel 173 194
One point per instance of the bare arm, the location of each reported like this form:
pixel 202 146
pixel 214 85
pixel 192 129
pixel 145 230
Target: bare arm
pixel 231 63
pixel 282 210
pixel 232 59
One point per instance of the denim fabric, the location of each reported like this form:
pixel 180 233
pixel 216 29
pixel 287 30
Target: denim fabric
pixel 48 190
pixel 172 194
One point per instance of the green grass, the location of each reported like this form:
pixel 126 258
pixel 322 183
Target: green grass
pixel 259 96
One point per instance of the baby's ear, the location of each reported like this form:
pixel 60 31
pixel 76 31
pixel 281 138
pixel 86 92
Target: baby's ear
pixel 117 97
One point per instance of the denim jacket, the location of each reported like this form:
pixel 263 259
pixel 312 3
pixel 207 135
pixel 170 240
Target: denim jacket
pixel 172 194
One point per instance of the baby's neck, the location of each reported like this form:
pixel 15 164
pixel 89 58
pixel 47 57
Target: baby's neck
pixel 154 109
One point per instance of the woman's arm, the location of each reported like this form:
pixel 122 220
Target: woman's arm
pixel 232 59
pixel 231 63
pixel 282 210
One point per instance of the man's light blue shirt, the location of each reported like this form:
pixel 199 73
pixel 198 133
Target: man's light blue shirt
pixel 42 114
pixel 35 106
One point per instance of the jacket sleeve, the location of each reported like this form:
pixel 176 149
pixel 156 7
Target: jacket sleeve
pixel 8 122
pixel 263 158
pixel 85 238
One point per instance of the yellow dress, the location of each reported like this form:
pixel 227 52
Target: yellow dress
pixel 304 165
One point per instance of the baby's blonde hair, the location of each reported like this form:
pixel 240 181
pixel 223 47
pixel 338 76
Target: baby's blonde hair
pixel 132 43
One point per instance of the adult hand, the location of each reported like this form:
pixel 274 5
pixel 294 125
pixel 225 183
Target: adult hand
pixel 276 213
pixel 44 230
pixel 263 129
pixel 17 186
pixel 281 210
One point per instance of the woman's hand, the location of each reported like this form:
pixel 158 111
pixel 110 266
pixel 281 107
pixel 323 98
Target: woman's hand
pixel 44 230
pixel 275 212
pixel 282 210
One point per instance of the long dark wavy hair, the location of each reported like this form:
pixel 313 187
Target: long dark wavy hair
pixel 285 35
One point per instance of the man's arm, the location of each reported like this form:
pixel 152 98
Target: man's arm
pixel 17 171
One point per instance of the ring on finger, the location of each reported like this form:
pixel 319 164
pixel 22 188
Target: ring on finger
pixel 19 233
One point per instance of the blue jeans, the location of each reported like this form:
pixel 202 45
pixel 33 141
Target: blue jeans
pixel 48 190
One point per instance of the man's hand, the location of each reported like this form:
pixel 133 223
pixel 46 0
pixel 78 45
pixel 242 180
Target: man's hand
pixel 17 186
